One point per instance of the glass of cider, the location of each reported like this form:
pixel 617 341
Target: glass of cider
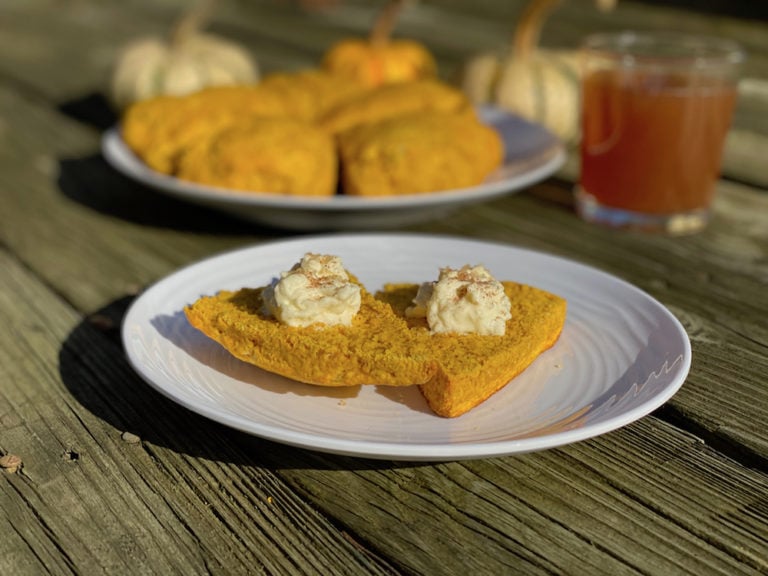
pixel 656 109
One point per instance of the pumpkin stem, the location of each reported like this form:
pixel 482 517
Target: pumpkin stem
pixel 192 21
pixel 385 22
pixel 528 30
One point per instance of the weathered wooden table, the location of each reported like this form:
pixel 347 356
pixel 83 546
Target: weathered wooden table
pixel 116 479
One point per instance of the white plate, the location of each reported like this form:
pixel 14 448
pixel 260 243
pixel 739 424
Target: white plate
pixel 621 355
pixel 531 155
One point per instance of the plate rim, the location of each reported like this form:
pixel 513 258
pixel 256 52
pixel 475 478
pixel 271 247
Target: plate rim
pixel 425 452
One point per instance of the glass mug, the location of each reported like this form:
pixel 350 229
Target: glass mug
pixel 656 110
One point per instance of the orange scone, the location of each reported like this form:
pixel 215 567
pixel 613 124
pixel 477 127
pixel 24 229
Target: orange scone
pixel 472 367
pixel 158 130
pixel 418 153
pixel 394 100
pixel 461 338
pixel 277 155
pixel 330 330
pixel 371 351
pixel 310 93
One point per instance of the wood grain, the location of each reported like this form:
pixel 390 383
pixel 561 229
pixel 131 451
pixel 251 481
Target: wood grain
pixel 88 501
pixel 117 479
pixel 223 502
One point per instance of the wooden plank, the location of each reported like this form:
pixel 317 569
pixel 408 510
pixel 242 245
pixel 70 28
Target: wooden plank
pixel 188 495
pixel 174 496
pixel 577 510
pixel 743 157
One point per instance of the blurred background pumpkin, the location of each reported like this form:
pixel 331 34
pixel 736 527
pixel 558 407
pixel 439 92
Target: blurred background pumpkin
pixel 538 84
pixel 187 61
pixel 381 59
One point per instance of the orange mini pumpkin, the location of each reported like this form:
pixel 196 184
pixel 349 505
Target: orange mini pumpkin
pixel 379 59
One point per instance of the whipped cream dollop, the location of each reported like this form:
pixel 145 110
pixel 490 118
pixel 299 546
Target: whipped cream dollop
pixel 316 290
pixel 465 301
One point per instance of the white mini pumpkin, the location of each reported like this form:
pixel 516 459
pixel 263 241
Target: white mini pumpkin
pixel 186 62
pixel 538 84
pixel 543 87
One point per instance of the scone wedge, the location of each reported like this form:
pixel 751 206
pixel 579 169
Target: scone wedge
pixel 471 368
pixel 373 350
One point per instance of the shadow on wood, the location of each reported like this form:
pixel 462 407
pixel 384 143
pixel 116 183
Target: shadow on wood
pixel 92 109
pixel 91 182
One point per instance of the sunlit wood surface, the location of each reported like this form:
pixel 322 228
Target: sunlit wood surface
pixel 116 479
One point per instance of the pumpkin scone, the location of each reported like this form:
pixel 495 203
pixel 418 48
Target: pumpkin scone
pixel 472 367
pixel 392 100
pixel 418 153
pixel 461 339
pixel 149 128
pixel 330 332
pixel 277 155
pixel 158 130
pixel 310 93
